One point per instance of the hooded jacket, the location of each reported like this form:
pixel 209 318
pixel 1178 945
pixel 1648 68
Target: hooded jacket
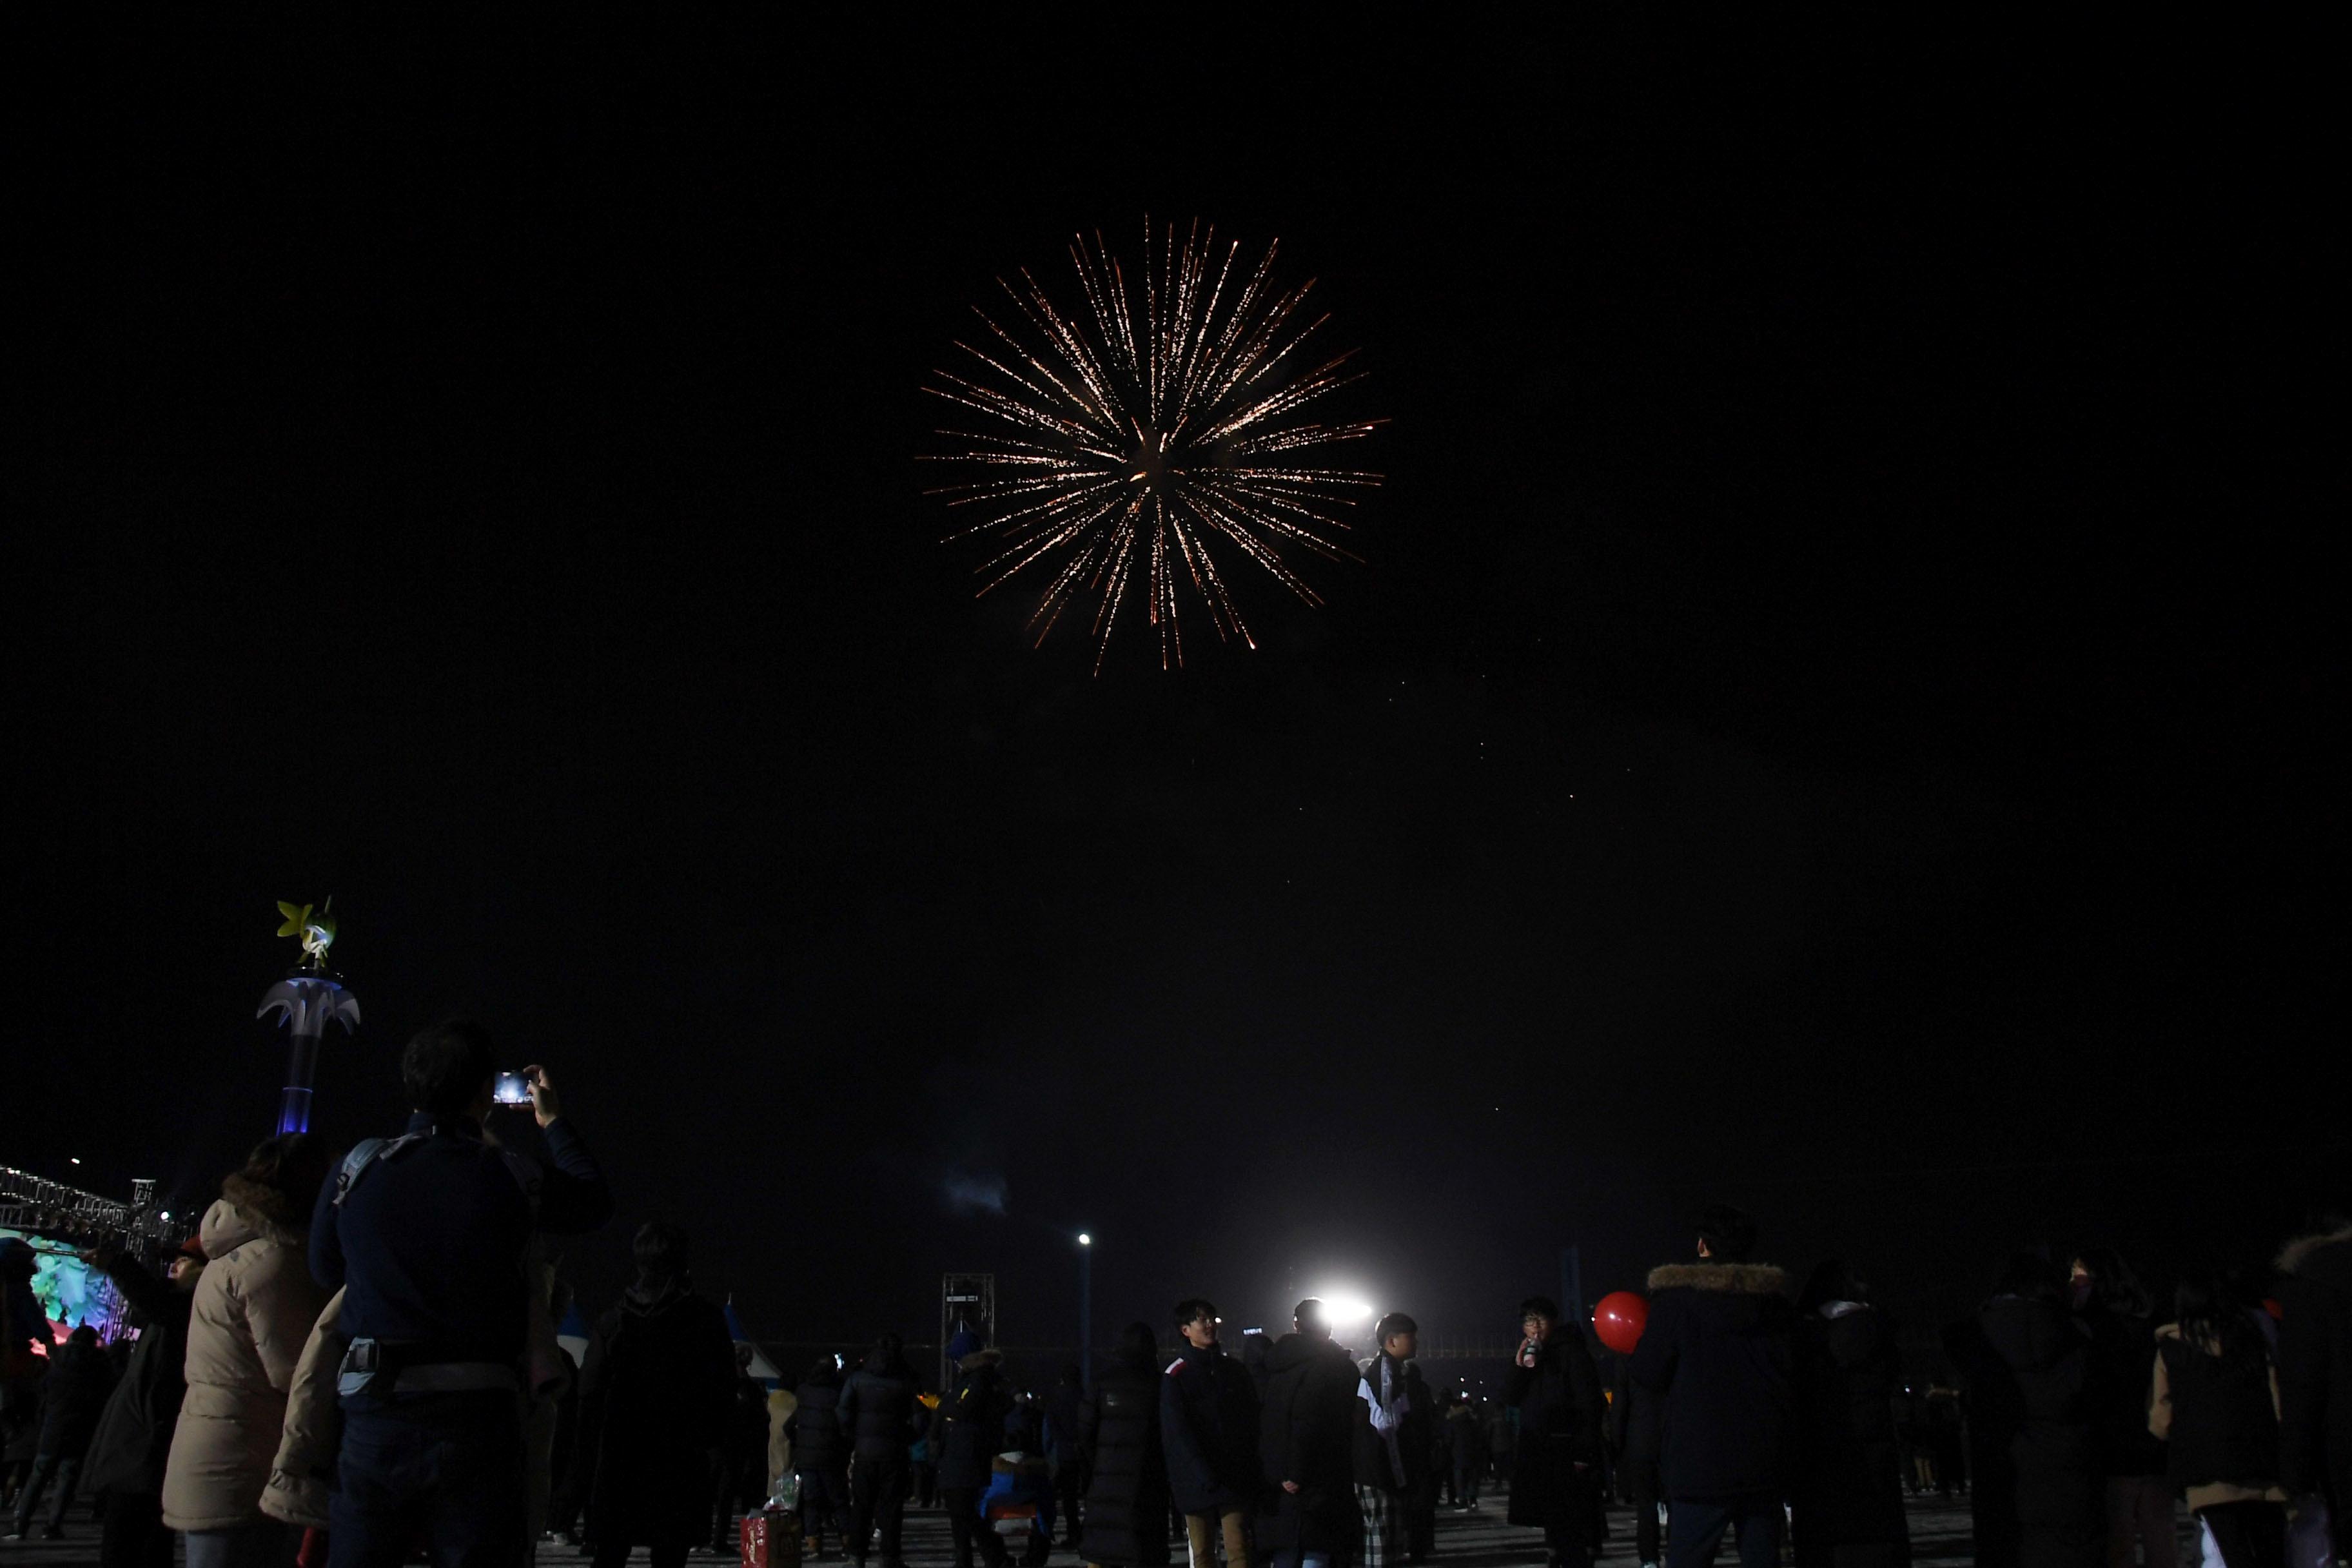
pixel 1848 1487
pixel 134 1436
pixel 1127 1492
pixel 2315 1361
pixel 1209 1431
pixel 1719 1352
pixel 815 1424
pixel 2035 1492
pixel 252 1315
pixel 967 1428
pixel 877 1409
pixel 655 1391
pixel 1304 1432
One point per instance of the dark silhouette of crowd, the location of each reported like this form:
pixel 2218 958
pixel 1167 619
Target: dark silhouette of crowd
pixel 356 1361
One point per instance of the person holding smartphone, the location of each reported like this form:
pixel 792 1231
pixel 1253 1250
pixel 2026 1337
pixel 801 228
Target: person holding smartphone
pixel 426 1234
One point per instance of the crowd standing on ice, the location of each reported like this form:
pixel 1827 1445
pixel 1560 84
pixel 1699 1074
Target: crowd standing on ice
pixel 355 1363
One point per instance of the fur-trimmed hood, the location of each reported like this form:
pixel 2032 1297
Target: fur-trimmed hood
pixel 247 1211
pixel 2299 1256
pixel 1736 1278
pixel 978 1359
pixel 266 1203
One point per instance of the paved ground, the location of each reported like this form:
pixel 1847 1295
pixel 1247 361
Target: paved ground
pixel 1939 1534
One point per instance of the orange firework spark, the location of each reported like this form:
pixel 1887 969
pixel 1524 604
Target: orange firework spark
pixel 1122 442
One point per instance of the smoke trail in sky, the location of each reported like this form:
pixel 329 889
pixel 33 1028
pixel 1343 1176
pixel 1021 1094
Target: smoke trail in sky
pixel 975 1195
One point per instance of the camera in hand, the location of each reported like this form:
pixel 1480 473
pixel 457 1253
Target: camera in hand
pixel 512 1088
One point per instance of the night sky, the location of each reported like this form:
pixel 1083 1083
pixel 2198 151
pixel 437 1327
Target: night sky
pixel 1831 718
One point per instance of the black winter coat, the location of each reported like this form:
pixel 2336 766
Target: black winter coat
pixel 134 1436
pixel 1208 1429
pixel 1465 1434
pixel 1559 1405
pixel 1719 1351
pixel 655 1393
pixel 967 1428
pixel 1848 1490
pixel 2315 1363
pixel 877 1409
pixel 2123 1354
pixel 814 1426
pixel 73 1396
pixel 1305 1427
pixel 1127 1490
pixel 2035 1491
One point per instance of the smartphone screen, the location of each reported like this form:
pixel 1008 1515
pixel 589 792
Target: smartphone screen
pixel 512 1088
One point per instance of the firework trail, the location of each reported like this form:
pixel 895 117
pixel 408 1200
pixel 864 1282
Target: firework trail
pixel 1121 450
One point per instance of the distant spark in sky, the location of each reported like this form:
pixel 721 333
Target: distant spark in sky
pixel 1117 446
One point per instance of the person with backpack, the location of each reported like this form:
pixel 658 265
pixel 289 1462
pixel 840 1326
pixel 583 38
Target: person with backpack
pixel 428 1236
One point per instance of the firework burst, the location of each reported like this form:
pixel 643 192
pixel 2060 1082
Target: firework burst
pixel 1122 448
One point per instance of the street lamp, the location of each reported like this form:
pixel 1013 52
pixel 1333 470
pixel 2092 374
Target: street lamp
pixel 1086 1310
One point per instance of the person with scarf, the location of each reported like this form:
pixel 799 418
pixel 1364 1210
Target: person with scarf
pixel 1392 1445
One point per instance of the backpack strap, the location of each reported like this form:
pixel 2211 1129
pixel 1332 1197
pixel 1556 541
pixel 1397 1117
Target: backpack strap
pixel 364 1155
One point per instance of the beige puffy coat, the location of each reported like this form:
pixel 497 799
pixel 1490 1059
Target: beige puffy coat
pixel 297 1493
pixel 253 1310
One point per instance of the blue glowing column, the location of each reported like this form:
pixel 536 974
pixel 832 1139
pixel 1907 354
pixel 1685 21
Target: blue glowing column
pixel 309 997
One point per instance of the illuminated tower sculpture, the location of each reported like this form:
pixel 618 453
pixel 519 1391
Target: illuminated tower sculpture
pixel 310 995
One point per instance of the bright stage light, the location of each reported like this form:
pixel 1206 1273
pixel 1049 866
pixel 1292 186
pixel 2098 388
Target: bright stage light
pixel 1084 1240
pixel 1343 1312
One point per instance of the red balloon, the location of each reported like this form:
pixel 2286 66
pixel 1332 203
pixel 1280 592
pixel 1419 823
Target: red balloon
pixel 2277 1312
pixel 1618 1321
